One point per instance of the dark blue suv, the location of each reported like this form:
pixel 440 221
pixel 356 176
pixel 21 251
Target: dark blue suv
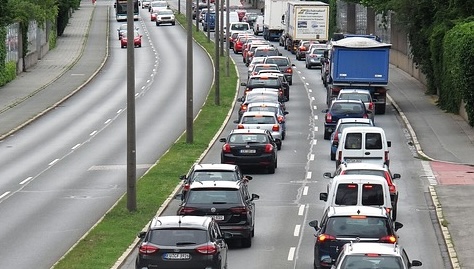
pixel 342 109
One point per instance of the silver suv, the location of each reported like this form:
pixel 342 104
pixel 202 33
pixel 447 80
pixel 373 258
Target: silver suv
pixel 374 255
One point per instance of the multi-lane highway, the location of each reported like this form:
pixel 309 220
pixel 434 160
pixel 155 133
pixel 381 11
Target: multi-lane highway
pixel 65 170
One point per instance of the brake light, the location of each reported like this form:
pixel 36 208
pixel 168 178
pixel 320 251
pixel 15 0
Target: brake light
pixel 268 148
pixel 208 249
pixel 186 187
pixel 186 210
pixel 336 137
pixel 147 249
pixel 351 186
pixel 239 210
pixel 226 148
pixel 372 255
pixel 276 128
pixel 386 156
pixel 371 106
pixel 388 239
pixel 243 108
pixel 392 188
pixel 325 237
pixel 365 116
pixel 289 70
pixel 280 119
pixel 328 117
pixel 367 186
pixel 240 126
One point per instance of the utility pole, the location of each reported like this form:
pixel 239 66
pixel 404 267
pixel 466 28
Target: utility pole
pixel 131 136
pixel 189 74
pixel 217 67
pixel 227 59
pixel 221 38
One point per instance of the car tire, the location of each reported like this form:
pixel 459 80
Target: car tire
pixel 327 135
pixel 246 242
pixel 173 23
pixel 291 83
pixel 271 168
pixel 333 156
pixel 394 212
pixel 278 142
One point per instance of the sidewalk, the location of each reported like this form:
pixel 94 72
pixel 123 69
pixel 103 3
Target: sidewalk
pixel 445 139
pixel 62 71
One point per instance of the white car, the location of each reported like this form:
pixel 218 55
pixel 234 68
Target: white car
pixel 145 4
pixel 263 120
pixel 165 16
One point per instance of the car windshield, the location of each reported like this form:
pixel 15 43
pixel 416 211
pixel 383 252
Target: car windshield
pixel 248 138
pixel 176 237
pixel 278 61
pixel 346 108
pixel 214 196
pixel 364 261
pixel 355 96
pixel 358 226
pixel 217 175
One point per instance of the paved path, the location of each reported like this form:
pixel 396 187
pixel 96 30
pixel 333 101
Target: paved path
pixel 445 139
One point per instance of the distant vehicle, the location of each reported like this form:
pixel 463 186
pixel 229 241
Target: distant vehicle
pixel 157 5
pixel 164 16
pixel 121 10
pixel 258 25
pixel 209 22
pixel 342 109
pixel 262 120
pixel 341 125
pixel 122 29
pixel 191 241
pixel 314 57
pixel 285 65
pixel 137 40
pixel 146 4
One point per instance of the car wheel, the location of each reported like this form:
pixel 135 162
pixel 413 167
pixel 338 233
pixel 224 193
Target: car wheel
pixel 173 23
pixel 271 168
pixel 327 135
pixel 246 242
pixel 291 83
pixel 157 24
pixel 333 156
pixel 380 109
pixel 278 142
pixel 394 212
pixel 283 135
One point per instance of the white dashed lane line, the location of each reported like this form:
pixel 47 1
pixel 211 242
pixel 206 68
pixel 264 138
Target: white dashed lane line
pixel 296 232
pixel 4 194
pixel 291 253
pixel 26 180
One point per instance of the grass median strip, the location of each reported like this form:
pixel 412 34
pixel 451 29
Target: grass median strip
pixel 106 242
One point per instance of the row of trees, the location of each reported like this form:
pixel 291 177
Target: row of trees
pixel 24 12
pixel 441 35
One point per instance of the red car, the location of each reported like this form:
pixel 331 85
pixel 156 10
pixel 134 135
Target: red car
pixel 137 40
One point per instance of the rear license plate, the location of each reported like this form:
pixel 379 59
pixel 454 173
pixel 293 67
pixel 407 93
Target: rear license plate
pixel 247 151
pixel 353 160
pixel 176 256
pixel 218 217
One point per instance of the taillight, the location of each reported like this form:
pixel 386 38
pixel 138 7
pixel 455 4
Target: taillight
pixel 371 106
pixel 339 156
pixel 392 189
pixel 386 156
pixel 325 237
pixel 240 126
pixel 186 210
pixel 147 249
pixel 276 128
pixel 280 119
pixel 365 116
pixel 226 148
pixel 243 108
pixel 368 186
pixel 208 249
pixel 335 137
pixel 388 239
pixel 268 148
pixel 239 210
pixel 328 118
pixel 289 70
pixel 186 187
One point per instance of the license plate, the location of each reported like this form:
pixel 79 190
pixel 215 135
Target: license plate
pixel 353 160
pixel 176 256
pixel 247 151
pixel 218 217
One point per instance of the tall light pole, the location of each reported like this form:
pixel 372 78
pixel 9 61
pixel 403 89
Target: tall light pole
pixel 221 40
pixel 217 67
pixel 227 59
pixel 131 136
pixel 189 74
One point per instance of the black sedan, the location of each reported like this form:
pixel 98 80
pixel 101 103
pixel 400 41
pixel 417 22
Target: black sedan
pixel 250 147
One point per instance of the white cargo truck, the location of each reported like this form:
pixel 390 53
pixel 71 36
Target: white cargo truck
pixel 273 19
pixel 306 21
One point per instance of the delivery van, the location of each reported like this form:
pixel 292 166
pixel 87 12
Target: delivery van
pixel 363 144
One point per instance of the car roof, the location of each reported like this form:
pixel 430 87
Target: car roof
pixel 347 210
pixel 354 91
pixel 372 247
pixel 273 104
pixel 359 178
pixel 258 113
pixel 354 120
pixel 361 129
pixel 347 101
pixel 215 184
pixel 363 166
pixel 166 222
pixel 214 166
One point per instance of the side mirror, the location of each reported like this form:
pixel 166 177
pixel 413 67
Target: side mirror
pixel 398 226
pixel 327 175
pixel 325 110
pixel 395 176
pixel 248 177
pixel 182 177
pixel 141 235
pixel 323 196
pixel 241 99
pixel 389 143
pixel 416 263
pixel 314 224
pixel 236 121
pixel 243 84
pixel 286 113
pixel 255 197
pixel 223 139
pixel 179 196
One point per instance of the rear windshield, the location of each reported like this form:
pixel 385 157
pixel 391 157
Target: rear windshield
pixel 239 27
pixel 277 61
pixel 263 82
pixel 355 96
pixel 265 52
pixel 248 138
pixel 373 141
pixel 371 261
pixel 372 194
pixel 258 120
pixel 214 196
pixel 347 194
pixel 264 108
pixel 353 141
pixel 358 226
pixel 218 175
pixel 349 108
pixel 176 237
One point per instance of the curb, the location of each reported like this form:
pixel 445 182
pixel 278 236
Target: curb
pixel 434 197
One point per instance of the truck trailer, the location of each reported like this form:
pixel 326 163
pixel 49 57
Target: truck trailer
pixel 273 19
pixel 359 63
pixel 306 21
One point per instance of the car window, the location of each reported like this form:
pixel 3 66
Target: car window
pixel 346 194
pixel 264 108
pixel 317 51
pixel 277 61
pixel 358 225
pixel 239 27
pixel 355 96
pixel 248 138
pixel 173 237
pixel 265 52
pixel 258 120
pixel 372 195
pixel 353 141
pixel 362 261
pixel 214 176
pixel 213 196
pixel 373 141
pixel 368 172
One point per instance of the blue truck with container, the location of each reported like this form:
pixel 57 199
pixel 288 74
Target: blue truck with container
pixel 209 22
pixel 358 62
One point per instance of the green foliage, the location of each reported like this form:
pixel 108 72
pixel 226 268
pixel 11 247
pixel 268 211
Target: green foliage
pixel 3 49
pixel 332 17
pixel 458 77
pixel 436 51
pixel 8 73
pixel 64 10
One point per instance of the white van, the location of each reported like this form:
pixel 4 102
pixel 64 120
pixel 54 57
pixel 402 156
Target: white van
pixel 360 190
pixel 363 144
pixel 258 25
pixel 239 27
